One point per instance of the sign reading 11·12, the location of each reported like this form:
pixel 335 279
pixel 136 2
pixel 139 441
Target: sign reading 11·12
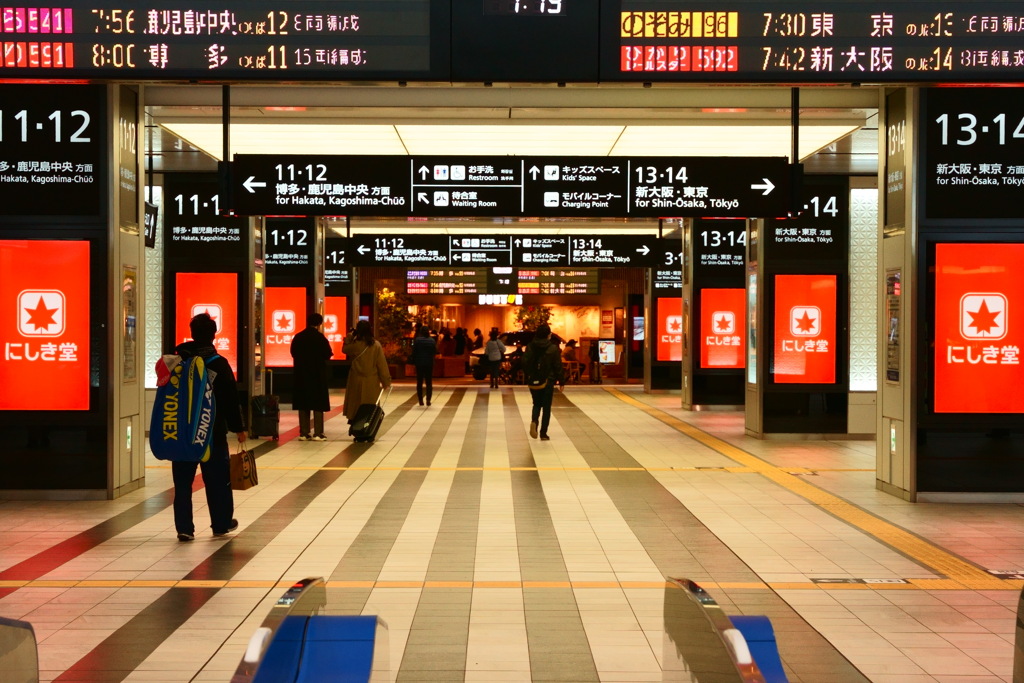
pixel 51 141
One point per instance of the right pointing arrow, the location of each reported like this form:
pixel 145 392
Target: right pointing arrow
pixel 767 186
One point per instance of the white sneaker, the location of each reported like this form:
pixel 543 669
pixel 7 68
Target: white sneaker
pixel 319 437
pixel 305 438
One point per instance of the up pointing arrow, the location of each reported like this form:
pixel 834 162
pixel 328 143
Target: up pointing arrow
pixel 767 186
pixel 534 171
pixel 424 172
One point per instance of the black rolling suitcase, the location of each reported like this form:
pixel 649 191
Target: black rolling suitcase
pixel 266 413
pixel 368 419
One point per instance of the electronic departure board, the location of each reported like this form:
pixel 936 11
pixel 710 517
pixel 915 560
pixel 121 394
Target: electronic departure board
pixel 255 39
pixel 558 281
pixel 447 281
pixel 516 40
pixel 679 40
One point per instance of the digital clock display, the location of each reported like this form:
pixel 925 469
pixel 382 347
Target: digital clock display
pixel 541 8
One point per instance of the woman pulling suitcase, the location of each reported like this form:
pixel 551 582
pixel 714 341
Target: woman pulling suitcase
pixel 367 378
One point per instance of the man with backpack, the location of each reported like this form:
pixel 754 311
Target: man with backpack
pixel 217 468
pixel 542 365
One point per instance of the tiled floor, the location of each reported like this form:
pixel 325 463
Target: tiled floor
pixel 495 557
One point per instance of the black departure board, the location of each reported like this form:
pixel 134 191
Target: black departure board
pixel 447 281
pixel 516 40
pixel 282 40
pixel 679 40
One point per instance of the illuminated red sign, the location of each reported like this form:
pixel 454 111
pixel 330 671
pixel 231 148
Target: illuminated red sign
pixel 979 289
pixel 44 325
pixel 723 328
pixel 805 329
pixel 213 293
pixel 670 329
pixel 286 315
pixel 335 323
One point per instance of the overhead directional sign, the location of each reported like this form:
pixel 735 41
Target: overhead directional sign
pixel 561 251
pixel 652 187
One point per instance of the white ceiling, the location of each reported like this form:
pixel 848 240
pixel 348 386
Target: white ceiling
pixel 732 138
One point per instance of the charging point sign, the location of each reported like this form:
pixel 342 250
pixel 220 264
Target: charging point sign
pixel 979 294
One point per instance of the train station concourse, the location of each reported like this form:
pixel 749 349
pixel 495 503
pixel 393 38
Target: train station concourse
pixel 779 248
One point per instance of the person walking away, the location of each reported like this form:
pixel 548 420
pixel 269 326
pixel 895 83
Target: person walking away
pixel 424 348
pixel 369 372
pixel 217 469
pixel 495 352
pixel 310 352
pixel 542 364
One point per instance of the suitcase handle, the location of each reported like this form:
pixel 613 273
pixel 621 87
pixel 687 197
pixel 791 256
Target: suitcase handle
pixel 385 394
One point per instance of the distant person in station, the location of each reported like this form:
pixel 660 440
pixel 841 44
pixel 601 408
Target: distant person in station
pixel 542 365
pixel 216 470
pixel 478 339
pixel 369 372
pixel 446 345
pixel 460 341
pixel 424 348
pixel 494 352
pixel 569 352
pixel 311 351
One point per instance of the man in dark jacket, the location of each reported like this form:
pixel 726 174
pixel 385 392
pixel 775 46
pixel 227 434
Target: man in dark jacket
pixel 424 348
pixel 216 470
pixel 311 351
pixel 542 362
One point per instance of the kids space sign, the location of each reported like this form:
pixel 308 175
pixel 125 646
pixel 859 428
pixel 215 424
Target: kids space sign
pixel 44 325
pixel 979 296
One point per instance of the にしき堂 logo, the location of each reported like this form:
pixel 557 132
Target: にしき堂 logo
pixel 41 313
pixel 983 315
pixel 805 321
pixel 724 322
pixel 283 321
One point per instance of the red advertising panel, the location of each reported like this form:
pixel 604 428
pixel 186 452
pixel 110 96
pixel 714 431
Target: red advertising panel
pixel 670 329
pixel 335 323
pixel 44 325
pixel 805 329
pixel 286 315
pixel 213 293
pixel 723 328
pixel 977 345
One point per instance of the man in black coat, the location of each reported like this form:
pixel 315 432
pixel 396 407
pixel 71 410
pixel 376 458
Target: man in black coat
pixel 311 351
pixel 216 470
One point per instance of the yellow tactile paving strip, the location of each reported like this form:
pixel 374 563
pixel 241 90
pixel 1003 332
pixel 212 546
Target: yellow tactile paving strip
pixel 958 571
pixel 914 584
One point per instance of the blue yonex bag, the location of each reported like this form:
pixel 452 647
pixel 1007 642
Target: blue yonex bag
pixel 182 424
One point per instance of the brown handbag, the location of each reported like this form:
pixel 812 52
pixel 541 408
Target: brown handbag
pixel 243 470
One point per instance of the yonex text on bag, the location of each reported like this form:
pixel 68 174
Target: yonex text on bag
pixel 184 411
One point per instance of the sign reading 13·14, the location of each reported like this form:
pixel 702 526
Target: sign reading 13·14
pixel 974 145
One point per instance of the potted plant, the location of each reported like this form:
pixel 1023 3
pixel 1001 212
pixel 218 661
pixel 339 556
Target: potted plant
pixel 529 317
pixel 393 325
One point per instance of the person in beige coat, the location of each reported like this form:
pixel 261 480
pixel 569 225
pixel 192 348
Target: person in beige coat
pixel 369 372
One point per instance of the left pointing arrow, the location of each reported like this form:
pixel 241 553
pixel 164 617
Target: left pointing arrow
pixel 251 182
pixel 362 250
